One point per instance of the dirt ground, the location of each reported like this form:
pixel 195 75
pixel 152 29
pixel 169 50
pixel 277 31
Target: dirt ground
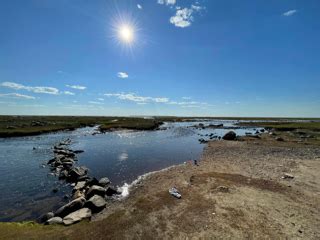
pixel 236 192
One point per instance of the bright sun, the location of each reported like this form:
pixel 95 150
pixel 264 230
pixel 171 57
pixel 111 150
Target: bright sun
pixel 126 33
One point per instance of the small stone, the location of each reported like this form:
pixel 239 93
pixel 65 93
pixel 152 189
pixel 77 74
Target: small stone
pixel 287 176
pixel 223 189
pixel 54 220
pixel 104 182
pixel 77 216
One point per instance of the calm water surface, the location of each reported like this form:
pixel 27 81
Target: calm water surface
pixel 26 183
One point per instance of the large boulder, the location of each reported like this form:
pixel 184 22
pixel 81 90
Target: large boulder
pixel 104 182
pixel 70 207
pixel 96 190
pixel 77 172
pixel 54 220
pixel 64 152
pixel 96 203
pixel 80 185
pixel 77 216
pixel 230 136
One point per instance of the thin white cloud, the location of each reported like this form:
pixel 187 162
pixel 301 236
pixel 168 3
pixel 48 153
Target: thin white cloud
pixel 78 87
pixel 139 6
pixel 289 13
pixel 68 93
pixel 93 102
pixel 17 95
pixel 136 98
pixel 184 17
pixel 17 86
pixel 186 98
pixel 100 99
pixel 122 75
pixel 167 2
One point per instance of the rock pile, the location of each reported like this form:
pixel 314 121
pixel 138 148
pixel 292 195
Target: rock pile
pixel 89 195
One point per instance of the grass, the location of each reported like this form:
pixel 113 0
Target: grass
pixel 12 126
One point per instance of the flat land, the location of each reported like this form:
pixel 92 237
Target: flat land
pixel 13 126
pixel 236 192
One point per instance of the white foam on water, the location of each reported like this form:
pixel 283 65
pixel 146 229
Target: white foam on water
pixel 125 189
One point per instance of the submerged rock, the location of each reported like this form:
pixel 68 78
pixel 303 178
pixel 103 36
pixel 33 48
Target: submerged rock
pixel 77 216
pixel 230 136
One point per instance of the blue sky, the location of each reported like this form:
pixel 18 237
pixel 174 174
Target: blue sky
pixel 191 58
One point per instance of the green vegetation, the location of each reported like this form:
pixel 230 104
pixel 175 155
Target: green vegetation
pixel 11 126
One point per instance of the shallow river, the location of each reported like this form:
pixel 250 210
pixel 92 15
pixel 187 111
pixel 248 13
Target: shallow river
pixel 26 183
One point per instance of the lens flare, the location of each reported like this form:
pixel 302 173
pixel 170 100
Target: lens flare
pixel 126 33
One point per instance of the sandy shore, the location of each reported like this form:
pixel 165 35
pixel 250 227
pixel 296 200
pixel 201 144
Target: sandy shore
pixel 236 192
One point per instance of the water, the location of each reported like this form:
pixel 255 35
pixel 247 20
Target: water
pixel 26 183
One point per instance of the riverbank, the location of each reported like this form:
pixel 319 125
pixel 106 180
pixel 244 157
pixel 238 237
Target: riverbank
pixel 251 188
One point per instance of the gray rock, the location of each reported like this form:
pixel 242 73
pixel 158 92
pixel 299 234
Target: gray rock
pixel 223 189
pixel 111 191
pixel 77 172
pixel 230 136
pixel 79 185
pixel 77 216
pixel 96 190
pixel 46 216
pixel 54 220
pixel 104 182
pixel 280 139
pixel 96 203
pixel 287 176
pixel 70 207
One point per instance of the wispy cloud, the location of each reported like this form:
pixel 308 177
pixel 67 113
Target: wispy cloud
pixel 78 87
pixel 167 2
pixel 184 17
pixel 139 6
pixel 186 98
pixel 289 13
pixel 97 103
pixel 68 93
pixel 17 86
pixel 100 99
pixel 17 95
pixel 122 75
pixel 136 98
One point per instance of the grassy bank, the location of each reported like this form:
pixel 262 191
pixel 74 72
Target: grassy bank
pixel 285 126
pixel 13 126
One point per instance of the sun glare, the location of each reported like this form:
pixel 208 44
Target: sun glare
pixel 126 33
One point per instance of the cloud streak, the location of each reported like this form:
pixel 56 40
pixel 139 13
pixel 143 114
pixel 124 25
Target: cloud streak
pixel 17 86
pixel 289 13
pixel 78 87
pixel 136 98
pixel 17 95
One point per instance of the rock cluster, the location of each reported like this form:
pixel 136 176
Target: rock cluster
pixel 89 195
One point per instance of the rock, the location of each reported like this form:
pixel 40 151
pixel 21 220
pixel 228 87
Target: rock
pixel 230 136
pixel 51 161
pixel 287 176
pixel 223 189
pixel 77 216
pixel 63 174
pixel 104 182
pixel 96 203
pixel 54 220
pixel 215 126
pixel 262 130
pixel 70 207
pixel 79 185
pixel 280 139
pixel 46 217
pixel 96 190
pixel 64 152
pixel 92 181
pixel 111 191
pixel 78 194
pixel 78 151
pixel 77 172
pixel 55 190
